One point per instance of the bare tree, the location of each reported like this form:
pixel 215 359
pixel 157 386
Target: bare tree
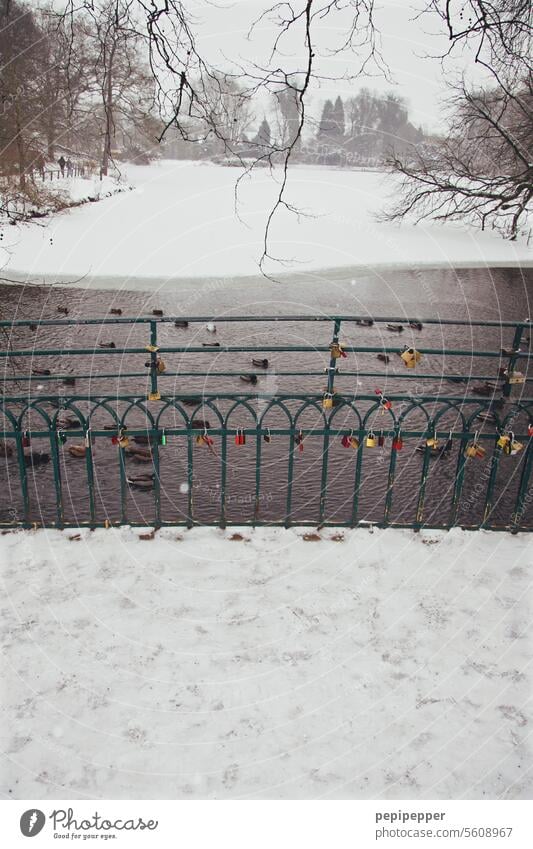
pixel 483 170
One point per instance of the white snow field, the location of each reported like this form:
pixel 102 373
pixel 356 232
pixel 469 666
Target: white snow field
pixel 180 222
pixel 381 664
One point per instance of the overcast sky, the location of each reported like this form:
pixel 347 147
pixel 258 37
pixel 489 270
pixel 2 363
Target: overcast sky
pixel 406 40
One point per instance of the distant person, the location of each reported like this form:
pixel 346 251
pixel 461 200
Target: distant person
pixel 62 162
pixel 40 163
pixel 70 167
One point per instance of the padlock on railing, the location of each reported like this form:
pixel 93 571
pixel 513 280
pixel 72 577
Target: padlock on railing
pixel 381 440
pixel 163 438
pixel 267 436
pixel 514 378
pixel 204 439
pixel 411 357
pixel 514 446
pixel 504 442
pixel 61 437
pixel 123 440
pixel 26 441
pixel 350 441
pixel 530 429
pixel 432 441
pixel 384 402
pixel 154 396
pixel 299 441
pixel 474 450
pixel 397 442
pixel 371 439
pixel 240 436
pixel 337 351
pixel 327 401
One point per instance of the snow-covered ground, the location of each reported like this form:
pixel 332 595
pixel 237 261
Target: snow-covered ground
pixel 180 222
pixel 193 665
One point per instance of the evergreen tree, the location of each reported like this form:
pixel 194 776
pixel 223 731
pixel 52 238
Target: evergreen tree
pixel 337 118
pixel 326 122
pixel 263 134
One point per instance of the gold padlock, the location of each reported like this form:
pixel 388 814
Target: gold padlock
pixel 504 442
pixel 411 357
pixel 327 401
pixel 336 350
pixel 154 396
pixel 371 440
pixel 151 348
pixel 123 441
pixel 515 377
pixel 354 442
pixel 514 446
pixel 160 365
pixel 474 449
pixel 432 441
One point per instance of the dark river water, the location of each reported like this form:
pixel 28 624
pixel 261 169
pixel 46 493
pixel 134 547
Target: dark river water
pixel 476 294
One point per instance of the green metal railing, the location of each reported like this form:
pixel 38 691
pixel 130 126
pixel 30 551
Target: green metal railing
pixel 160 414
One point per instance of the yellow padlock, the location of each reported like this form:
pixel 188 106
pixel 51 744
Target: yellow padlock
pixel 151 348
pixel 371 440
pixel 123 441
pixel 335 350
pixel 411 357
pixel 327 401
pixel 160 365
pixel 515 377
pixel 474 449
pixel 200 440
pixel 432 441
pixel 504 442
pixel 514 446
pixel 154 396
pixel 354 442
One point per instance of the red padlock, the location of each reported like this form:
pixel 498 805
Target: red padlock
pixel 397 443
pixel 114 440
pixel 299 440
pixel 25 439
pixel 530 429
pixel 345 441
pixel 381 440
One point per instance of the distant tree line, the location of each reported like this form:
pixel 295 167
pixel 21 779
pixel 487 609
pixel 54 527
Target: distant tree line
pixel 364 129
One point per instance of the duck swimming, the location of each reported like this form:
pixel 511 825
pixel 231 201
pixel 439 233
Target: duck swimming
pixel 36 458
pixel 395 328
pixel 249 378
pixel 139 454
pixel 144 482
pixel 78 450
pixel 260 363
pixel 384 358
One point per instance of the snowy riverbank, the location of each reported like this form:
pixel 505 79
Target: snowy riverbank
pixel 180 222
pixel 197 664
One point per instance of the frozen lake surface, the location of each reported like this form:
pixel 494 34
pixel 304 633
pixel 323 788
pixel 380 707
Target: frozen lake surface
pixel 180 222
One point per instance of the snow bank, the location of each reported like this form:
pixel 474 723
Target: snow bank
pixel 181 222
pixel 200 665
